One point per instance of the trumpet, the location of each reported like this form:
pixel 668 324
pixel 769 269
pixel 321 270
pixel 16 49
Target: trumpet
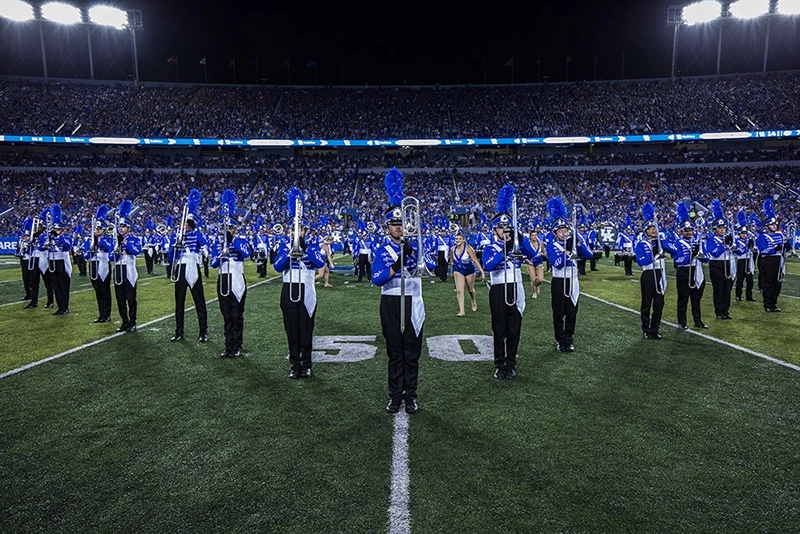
pixel 180 235
pixel 296 252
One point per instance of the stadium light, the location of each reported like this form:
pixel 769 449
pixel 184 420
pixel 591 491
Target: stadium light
pixel 702 12
pixel 61 13
pixel 108 16
pixel 749 9
pixel 788 7
pixel 16 10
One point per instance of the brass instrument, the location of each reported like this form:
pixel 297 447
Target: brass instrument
pixel 729 248
pixel 296 251
pixel 454 228
pixel 32 259
pixel 117 252
pixel 371 227
pixel 93 273
pixel 568 253
pixel 660 290
pixel 511 301
pixel 178 248
pixel 51 260
pixel 225 279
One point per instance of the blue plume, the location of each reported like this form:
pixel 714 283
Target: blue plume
pixel 628 220
pixel 28 225
pixel 483 219
pixel 193 201
pixel 755 220
pixel 228 203
pixel 741 218
pixel 536 221
pixel 43 215
pixel 648 211
pixel 78 229
pixel 169 221
pixel 291 197
pixel 683 212
pixel 102 213
pixel 56 211
pixel 125 209
pixel 556 208
pixel 583 220
pixel 323 220
pixel 769 209
pixel 504 199
pixel 591 219
pixel 716 209
pixel 149 224
pixel 393 182
pixel 260 221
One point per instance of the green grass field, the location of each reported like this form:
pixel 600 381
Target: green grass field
pixel 137 434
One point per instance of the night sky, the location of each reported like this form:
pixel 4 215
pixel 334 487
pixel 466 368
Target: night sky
pixel 357 43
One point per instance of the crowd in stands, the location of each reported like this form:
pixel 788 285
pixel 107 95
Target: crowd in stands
pixel 607 195
pixel 746 102
pixel 414 159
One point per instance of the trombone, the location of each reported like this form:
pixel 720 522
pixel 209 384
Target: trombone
pixel 514 254
pixel 574 233
pixel 119 279
pixel 225 280
pixel 411 228
pixel 31 245
pixel 660 290
pixel 728 248
pixel 296 253
pixel 179 246
pixel 93 271
pixel 51 259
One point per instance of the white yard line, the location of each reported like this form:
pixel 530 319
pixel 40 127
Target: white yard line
pixel 399 515
pixel 112 336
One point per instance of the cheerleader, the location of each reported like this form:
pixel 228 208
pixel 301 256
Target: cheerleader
pixel 463 262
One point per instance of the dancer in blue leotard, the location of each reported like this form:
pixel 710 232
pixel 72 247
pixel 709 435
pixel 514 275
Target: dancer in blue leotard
pixel 464 262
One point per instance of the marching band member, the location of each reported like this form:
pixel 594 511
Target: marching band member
pixel 584 236
pixel 564 287
pixel 745 264
pixel 297 260
pixel 722 263
pixel 463 262
pixel 688 262
pixel 592 242
pixel 653 280
pixel 625 245
pixel 394 273
pixel 507 294
pixel 441 249
pixel 186 269
pixel 77 250
pixel 150 244
pixel 96 252
pixel 231 284
pixel 59 245
pixel 40 264
pixel 165 245
pixel 126 248
pixel 364 265
pixel 772 245
pixel 25 252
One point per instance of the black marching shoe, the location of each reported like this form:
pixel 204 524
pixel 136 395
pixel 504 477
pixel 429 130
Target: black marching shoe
pixel 750 299
pixel 739 299
pixel 236 353
pixel 203 338
pixel 27 297
pixel 393 406
pixel 701 325
pixel 412 406
pixel 570 348
pixel 772 310
pixel 105 320
pixel 30 305
pixel 559 347
pixel 123 328
pixel 98 320
pixel 655 335
pixel 131 328
pixel 48 305
pixel 294 374
pixel 305 373
pixel 176 337
pixel 510 374
pixel 499 373
pixel 226 354
pixel 683 327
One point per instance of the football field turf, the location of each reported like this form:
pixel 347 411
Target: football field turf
pixel 696 432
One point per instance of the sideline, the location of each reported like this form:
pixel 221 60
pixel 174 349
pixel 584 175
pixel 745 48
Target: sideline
pixel 112 336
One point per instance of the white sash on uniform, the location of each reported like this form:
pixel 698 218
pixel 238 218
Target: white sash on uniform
pixel 306 277
pixel 413 289
pixel 236 270
pixel 129 261
pixel 101 258
pixel 515 277
pixel 191 260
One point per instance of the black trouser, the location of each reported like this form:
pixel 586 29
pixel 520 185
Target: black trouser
pixel 769 272
pixel 47 276
pixel 169 270
pixel 148 259
pixel 205 266
pixel 198 296
pixel 403 349
pixel 744 279
pixel 441 265
pixel 607 249
pixel 628 261
pixel 261 268
pixel 652 300
pixel 27 277
pixel 60 281
pixel 299 326
pixel 102 290
pixel 564 311
pixel 593 262
pixel 506 325
pixel 80 262
pixel 722 286
pixel 126 297
pixel 364 267
pixel 684 278
pixel 233 316
pixel 581 266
